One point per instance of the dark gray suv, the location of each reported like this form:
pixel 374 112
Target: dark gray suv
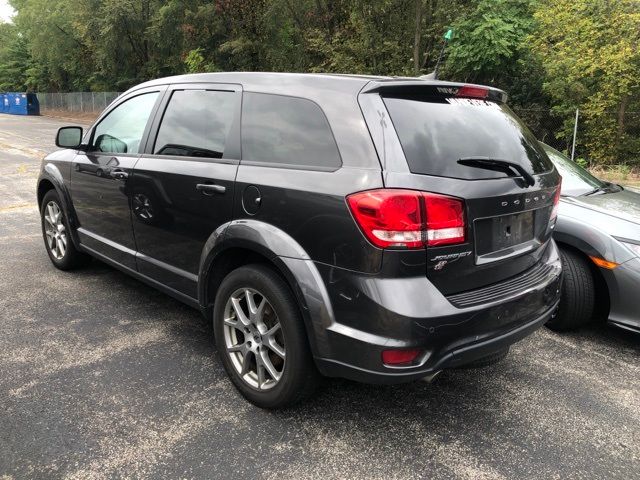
pixel 378 229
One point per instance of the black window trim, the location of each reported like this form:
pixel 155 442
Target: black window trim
pixel 291 166
pixel 231 155
pixel 160 90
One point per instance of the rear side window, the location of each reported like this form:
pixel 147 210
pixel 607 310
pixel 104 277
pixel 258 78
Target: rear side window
pixel 196 123
pixel 288 131
pixel 437 132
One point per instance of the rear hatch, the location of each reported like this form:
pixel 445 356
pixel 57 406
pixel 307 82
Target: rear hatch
pixel 464 142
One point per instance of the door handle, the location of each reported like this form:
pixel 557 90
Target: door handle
pixel 210 188
pixel 119 174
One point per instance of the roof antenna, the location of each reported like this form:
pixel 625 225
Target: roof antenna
pixel 434 75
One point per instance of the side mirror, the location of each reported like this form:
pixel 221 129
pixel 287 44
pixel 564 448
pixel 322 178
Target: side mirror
pixel 69 137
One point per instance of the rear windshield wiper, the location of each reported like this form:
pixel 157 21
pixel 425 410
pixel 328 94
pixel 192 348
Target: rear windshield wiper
pixel 500 166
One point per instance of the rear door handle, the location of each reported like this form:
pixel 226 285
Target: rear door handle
pixel 210 188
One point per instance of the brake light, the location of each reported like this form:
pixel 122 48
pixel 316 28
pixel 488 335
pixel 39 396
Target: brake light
pixel 556 203
pixel 408 218
pixel 470 91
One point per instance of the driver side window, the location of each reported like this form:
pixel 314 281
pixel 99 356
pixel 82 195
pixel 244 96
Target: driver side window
pixel 122 129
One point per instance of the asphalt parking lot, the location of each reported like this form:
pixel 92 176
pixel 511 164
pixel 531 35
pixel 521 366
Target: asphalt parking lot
pixel 102 377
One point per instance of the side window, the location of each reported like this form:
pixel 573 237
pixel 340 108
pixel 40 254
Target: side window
pixel 122 129
pixel 286 130
pixel 196 124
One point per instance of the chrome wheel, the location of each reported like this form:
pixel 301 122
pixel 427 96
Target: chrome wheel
pixel 55 230
pixel 253 339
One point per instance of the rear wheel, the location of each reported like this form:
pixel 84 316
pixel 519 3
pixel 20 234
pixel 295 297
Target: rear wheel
pixel 57 234
pixel 578 293
pixel 261 339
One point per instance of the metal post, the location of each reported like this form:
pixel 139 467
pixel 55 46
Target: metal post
pixel 575 133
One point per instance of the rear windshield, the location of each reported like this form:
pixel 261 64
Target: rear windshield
pixel 437 132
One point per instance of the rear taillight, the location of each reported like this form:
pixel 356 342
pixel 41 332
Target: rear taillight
pixel 408 218
pixel 556 202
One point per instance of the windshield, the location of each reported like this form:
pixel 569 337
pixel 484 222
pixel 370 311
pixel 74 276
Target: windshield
pixel 575 179
pixel 436 132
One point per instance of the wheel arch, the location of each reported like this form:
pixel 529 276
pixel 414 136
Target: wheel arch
pixel 602 304
pixel 51 179
pixel 243 242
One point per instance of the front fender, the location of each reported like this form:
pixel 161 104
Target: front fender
pixel 50 172
pixel 589 239
pixel 288 257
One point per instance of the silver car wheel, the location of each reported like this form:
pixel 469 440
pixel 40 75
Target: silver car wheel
pixel 253 339
pixel 55 230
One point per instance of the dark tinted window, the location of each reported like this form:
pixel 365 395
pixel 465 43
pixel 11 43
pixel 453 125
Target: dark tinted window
pixel 122 129
pixel 196 124
pixel 286 130
pixel 436 133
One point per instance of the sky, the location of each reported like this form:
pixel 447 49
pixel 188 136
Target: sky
pixel 5 11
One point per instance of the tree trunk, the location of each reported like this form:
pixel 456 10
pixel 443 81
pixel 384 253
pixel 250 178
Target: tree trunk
pixel 417 37
pixel 621 113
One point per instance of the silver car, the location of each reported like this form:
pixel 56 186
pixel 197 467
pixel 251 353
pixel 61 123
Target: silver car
pixel 598 232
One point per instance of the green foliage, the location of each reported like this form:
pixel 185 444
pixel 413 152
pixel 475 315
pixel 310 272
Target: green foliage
pixel 195 62
pixel 490 47
pixel 548 54
pixel 590 54
pixel 582 162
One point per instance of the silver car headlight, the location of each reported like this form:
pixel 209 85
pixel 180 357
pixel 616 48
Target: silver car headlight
pixel 634 247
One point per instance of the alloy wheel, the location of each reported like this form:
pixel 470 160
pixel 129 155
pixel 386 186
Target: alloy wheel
pixel 55 230
pixel 253 339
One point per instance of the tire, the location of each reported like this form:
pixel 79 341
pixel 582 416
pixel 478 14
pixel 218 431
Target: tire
pixel 58 242
pixel 296 375
pixel 577 298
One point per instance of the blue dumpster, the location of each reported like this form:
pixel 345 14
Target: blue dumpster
pixel 20 104
pixel 4 103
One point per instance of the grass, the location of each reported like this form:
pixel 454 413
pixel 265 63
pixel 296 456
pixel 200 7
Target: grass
pixel 622 174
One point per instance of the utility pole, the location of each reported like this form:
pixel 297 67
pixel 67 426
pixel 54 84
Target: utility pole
pixel 575 134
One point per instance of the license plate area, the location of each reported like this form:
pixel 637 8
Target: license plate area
pixel 502 233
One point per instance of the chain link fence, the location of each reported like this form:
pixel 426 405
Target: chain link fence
pixel 78 102
pixel 558 131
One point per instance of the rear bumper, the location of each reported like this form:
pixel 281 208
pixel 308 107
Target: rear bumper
pixel 373 314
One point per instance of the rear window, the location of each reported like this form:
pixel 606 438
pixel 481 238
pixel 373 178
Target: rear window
pixel 437 132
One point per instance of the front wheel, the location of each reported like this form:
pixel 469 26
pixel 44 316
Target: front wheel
pixel 261 338
pixel 57 234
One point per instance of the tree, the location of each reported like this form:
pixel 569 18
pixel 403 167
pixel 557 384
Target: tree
pixel 591 56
